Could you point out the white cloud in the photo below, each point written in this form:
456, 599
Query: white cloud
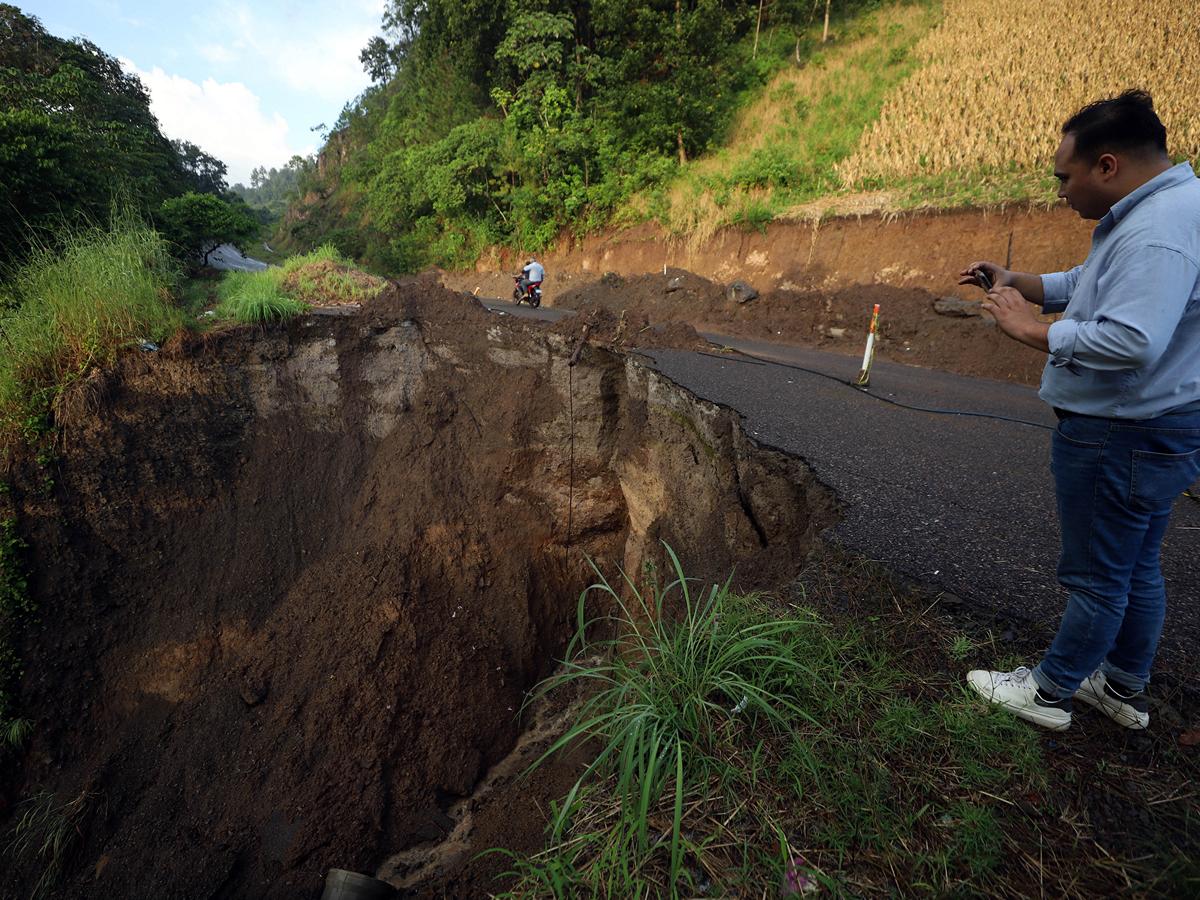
310, 54
225, 120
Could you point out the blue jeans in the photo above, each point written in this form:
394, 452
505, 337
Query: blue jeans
1116, 481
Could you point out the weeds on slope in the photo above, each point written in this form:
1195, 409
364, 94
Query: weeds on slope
748, 747
320, 278
73, 307
43, 835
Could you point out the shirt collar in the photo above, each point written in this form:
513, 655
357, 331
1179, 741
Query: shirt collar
1175, 175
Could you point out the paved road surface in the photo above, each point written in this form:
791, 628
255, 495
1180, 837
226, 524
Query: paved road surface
962, 503
229, 257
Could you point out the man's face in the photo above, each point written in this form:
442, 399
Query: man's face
1080, 183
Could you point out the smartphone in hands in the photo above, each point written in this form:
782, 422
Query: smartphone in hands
983, 278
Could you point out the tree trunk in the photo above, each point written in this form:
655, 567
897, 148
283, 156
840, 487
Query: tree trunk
757, 28
682, 151
825, 33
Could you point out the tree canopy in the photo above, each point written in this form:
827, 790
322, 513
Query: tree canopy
510, 121
76, 132
200, 223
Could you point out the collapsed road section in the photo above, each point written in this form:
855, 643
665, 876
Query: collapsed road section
295, 583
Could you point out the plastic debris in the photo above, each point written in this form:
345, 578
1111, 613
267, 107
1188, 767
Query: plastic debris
741, 705
796, 882
148, 346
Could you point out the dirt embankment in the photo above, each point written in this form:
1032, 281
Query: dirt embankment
817, 282
294, 585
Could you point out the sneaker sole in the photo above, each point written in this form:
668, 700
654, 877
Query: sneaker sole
1121, 713
1047, 720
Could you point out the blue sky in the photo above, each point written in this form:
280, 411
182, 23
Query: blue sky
246, 81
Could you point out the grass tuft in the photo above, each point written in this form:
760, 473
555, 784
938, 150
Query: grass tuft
743, 747
320, 278
72, 307
256, 297
43, 835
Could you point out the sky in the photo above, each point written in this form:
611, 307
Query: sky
244, 81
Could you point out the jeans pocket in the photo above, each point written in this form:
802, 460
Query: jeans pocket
1083, 432
1159, 478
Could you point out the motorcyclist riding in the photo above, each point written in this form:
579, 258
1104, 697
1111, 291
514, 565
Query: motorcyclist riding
532, 275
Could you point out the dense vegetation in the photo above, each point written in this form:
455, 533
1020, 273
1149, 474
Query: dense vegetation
508, 122
76, 134
272, 190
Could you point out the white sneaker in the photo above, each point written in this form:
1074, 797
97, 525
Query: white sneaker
1020, 694
1127, 708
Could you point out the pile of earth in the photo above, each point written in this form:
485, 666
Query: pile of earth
628, 330
295, 582
915, 327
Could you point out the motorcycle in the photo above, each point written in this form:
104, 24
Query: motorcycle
531, 294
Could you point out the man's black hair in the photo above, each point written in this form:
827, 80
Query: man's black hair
1126, 123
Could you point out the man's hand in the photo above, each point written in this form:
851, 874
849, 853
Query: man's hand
1017, 318
999, 275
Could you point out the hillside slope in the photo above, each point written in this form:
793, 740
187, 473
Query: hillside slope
557, 126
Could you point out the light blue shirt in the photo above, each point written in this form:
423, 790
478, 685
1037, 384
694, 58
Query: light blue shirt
1128, 345
534, 271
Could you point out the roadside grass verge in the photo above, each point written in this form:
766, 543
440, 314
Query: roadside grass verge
748, 747
320, 278
74, 307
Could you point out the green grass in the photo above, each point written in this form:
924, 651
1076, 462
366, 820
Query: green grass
256, 297
77, 305
740, 744
321, 277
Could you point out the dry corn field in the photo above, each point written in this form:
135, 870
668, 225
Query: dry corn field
999, 77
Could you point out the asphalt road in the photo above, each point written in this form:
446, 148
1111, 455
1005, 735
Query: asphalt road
230, 258
961, 503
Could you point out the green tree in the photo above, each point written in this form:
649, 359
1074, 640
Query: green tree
76, 132
197, 224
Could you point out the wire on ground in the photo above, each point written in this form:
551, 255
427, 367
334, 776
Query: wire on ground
759, 360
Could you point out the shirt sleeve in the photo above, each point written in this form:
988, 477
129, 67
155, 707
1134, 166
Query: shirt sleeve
1057, 288
1141, 299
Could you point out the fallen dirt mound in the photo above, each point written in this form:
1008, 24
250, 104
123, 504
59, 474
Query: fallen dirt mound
915, 327
628, 330
294, 584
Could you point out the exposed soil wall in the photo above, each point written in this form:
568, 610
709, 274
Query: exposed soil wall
918, 250
817, 281
294, 583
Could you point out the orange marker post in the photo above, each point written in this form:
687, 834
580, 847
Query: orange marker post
864, 376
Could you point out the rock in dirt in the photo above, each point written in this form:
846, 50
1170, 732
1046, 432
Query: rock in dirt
674, 284
740, 292
953, 306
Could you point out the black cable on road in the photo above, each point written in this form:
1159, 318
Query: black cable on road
752, 359
760, 361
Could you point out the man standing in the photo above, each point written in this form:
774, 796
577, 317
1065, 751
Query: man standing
1123, 378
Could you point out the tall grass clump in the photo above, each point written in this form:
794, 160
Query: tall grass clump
256, 297
322, 277
73, 306
740, 747
43, 834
